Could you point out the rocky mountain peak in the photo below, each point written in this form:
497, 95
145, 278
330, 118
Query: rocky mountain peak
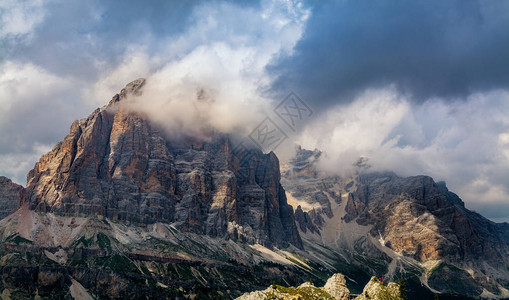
336, 287
377, 290
132, 88
303, 164
115, 164
400, 222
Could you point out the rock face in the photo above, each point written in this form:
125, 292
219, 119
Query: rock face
164, 214
11, 196
315, 194
441, 225
396, 224
116, 164
376, 290
336, 287
304, 291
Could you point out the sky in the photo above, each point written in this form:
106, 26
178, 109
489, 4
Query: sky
416, 87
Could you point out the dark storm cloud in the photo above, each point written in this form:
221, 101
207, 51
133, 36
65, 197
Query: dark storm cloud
445, 49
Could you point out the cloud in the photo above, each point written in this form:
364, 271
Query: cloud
36, 108
359, 129
14, 165
426, 49
18, 18
136, 63
464, 143
419, 87
80, 55
217, 85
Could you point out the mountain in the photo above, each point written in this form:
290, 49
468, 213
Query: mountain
118, 203
115, 164
11, 195
119, 209
399, 227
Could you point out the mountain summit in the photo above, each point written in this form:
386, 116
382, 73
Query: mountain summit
119, 209
408, 227
116, 164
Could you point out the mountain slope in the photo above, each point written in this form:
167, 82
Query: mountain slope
118, 209
116, 164
11, 195
399, 227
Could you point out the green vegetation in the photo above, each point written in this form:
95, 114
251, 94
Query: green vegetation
117, 262
376, 265
77, 261
103, 241
304, 293
83, 241
494, 289
15, 238
402, 289
144, 269
442, 265
164, 246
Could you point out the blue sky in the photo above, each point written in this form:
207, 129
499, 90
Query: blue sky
418, 87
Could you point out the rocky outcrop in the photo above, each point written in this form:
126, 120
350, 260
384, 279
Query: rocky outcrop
304, 221
11, 196
304, 291
304, 182
336, 287
441, 226
376, 290
117, 164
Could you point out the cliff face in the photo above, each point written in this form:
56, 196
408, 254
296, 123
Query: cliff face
11, 196
122, 192
397, 224
116, 164
441, 225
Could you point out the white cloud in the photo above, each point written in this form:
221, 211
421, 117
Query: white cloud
36, 108
360, 129
136, 64
224, 52
19, 18
15, 165
464, 143
223, 57
24, 84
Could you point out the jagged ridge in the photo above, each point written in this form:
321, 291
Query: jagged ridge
117, 164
